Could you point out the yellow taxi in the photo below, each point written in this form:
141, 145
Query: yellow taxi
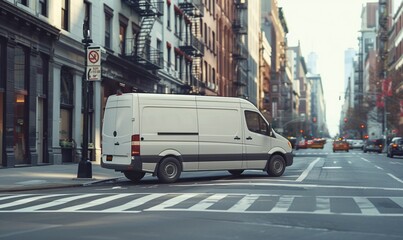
340, 145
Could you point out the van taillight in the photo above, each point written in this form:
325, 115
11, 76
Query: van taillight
136, 145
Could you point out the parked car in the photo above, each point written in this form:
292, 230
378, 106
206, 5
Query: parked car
374, 145
340, 145
395, 147
357, 144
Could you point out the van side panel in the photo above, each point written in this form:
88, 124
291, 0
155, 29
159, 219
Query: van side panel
117, 129
220, 135
168, 129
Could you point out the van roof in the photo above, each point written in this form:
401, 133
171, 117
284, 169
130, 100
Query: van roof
189, 97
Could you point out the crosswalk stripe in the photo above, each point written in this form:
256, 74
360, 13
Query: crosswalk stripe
56, 202
26, 200
172, 202
366, 206
14, 196
283, 204
94, 203
322, 205
134, 203
244, 203
398, 201
206, 203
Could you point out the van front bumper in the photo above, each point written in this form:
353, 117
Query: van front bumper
289, 158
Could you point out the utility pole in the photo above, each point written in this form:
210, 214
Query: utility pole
84, 166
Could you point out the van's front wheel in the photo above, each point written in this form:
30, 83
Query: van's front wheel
276, 166
134, 176
169, 170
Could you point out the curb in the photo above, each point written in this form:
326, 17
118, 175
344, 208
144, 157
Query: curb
21, 188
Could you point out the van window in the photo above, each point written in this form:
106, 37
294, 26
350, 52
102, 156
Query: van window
256, 123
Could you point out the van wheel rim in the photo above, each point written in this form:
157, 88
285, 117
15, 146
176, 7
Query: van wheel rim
171, 170
277, 166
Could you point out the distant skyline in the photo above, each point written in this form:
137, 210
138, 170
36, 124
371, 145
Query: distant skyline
327, 28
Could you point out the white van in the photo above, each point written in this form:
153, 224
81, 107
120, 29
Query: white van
166, 134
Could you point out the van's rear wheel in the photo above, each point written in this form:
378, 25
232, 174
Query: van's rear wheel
236, 173
276, 166
169, 170
134, 176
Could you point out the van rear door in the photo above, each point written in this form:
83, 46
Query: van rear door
118, 129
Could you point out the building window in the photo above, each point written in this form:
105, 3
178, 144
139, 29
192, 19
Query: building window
160, 51
213, 42
275, 88
66, 106
43, 7
23, 2
169, 56
65, 15
205, 34
66, 87
42, 76
169, 16
20, 68
122, 38
108, 26
205, 71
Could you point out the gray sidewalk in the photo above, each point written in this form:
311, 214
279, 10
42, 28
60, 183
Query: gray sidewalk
51, 176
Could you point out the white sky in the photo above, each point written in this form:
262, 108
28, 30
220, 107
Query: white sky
327, 27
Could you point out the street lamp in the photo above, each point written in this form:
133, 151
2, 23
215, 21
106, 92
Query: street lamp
84, 166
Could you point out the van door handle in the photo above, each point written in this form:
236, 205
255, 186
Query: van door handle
237, 138
117, 143
248, 138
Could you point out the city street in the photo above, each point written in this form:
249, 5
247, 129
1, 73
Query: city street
323, 195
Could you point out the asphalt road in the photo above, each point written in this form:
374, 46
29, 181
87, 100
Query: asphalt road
324, 195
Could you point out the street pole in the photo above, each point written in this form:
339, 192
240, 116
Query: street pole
84, 166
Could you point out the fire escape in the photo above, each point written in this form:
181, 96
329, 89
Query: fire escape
192, 46
383, 38
138, 49
240, 51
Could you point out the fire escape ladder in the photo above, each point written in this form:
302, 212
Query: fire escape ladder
141, 51
240, 52
191, 43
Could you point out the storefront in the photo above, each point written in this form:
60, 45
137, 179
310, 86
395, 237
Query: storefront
26, 45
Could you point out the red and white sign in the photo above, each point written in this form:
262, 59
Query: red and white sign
93, 56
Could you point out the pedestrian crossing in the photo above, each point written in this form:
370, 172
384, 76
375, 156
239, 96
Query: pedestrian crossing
201, 202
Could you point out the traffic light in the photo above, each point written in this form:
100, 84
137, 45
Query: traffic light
314, 119
345, 120
362, 125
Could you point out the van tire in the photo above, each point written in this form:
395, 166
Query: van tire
134, 176
276, 166
169, 170
236, 173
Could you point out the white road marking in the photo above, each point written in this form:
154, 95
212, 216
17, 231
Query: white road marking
56, 202
331, 167
378, 167
365, 160
349, 162
243, 204
396, 178
322, 205
94, 203
306, 172
366, 206
208, 202
172, 202
26, 200
283, 204
134, 203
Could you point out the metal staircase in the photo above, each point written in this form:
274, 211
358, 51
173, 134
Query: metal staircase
141, 52
192, 45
